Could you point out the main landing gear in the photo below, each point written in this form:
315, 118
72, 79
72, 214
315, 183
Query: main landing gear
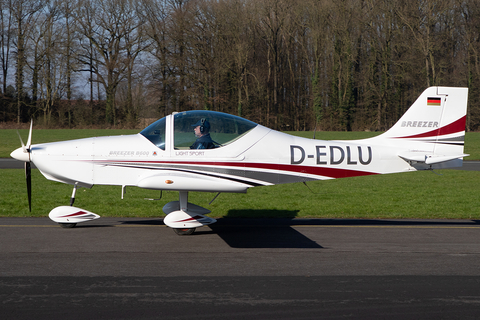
184, 217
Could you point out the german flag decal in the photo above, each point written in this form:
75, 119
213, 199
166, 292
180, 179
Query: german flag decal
434, 101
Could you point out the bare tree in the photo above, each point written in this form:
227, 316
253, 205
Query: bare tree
41, 40
234, 32
154, 13
273, 16
469, 14
422, 18
6, 35
335, 65
23, 13
106, 25
67, 9
315, 44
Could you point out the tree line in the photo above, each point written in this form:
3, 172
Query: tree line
287, 64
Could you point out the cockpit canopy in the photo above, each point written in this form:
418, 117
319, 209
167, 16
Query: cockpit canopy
223, 128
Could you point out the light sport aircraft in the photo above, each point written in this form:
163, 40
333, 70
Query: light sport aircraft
430, 135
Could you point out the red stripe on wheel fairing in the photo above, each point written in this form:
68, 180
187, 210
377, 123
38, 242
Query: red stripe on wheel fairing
79, 213
191, 219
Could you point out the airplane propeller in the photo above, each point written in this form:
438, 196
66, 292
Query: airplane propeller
23, 154
28, 178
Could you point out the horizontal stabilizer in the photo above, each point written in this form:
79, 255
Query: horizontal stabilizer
429, 158
439, 159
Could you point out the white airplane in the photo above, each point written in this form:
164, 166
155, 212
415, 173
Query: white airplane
231, 154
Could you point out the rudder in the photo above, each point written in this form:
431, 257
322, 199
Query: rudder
434, 126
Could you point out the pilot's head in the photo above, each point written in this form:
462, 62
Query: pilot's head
201, 127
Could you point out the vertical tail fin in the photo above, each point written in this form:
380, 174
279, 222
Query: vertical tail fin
433, 129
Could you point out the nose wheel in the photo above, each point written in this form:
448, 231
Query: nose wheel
67, 225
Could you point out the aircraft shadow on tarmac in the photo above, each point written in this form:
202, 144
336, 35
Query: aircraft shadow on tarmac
268, 232
244, 236
272, 232
280, 232
253, 232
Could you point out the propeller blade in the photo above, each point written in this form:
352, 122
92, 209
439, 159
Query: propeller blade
25, 156
29, 141
28, 177
21, 141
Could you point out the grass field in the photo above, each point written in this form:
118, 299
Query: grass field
425, 195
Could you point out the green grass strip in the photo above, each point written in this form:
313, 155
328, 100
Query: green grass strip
422, 195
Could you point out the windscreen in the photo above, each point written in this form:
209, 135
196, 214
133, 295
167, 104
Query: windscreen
201, 129
156, 133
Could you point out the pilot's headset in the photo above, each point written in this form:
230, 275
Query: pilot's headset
204, 125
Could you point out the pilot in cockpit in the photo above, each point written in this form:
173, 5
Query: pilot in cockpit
202, 132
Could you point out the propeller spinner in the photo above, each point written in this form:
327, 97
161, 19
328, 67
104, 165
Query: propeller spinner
23, 154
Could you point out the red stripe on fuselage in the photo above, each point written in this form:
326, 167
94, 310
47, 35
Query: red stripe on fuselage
454, 127
318, 171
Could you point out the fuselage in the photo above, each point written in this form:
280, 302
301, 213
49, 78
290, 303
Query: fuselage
244, 154
261, 157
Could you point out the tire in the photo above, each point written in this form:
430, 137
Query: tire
67, 225
184, 231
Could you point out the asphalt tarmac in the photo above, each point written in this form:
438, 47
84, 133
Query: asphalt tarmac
114, 268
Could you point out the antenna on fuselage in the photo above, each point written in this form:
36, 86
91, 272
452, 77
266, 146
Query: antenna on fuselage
159, 198
214, 198
306, 185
